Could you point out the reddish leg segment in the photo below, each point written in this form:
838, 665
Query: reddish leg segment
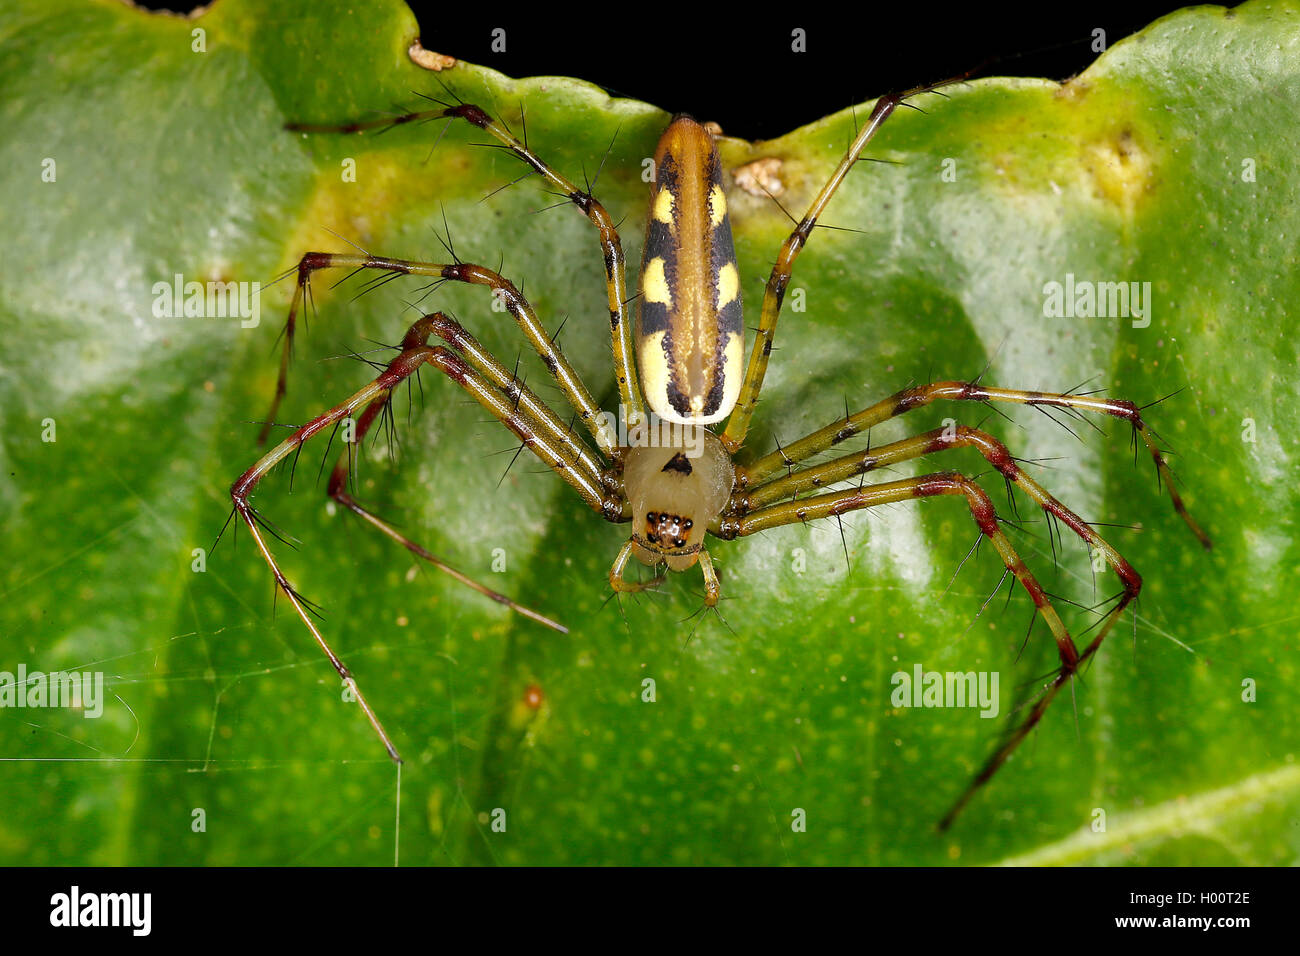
338, 490
610, 243
368, 401
918, 396
738, 424
761, 485
503, 289
834, 504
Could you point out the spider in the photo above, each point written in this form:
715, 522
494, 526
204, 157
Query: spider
681, 371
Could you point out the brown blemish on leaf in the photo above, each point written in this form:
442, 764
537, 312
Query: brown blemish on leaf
1073, 89
437, 62
1120, 169
762, 177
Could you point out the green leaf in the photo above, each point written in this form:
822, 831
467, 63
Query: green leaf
1170, 161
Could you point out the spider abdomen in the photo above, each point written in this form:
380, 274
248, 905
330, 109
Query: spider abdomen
690, 331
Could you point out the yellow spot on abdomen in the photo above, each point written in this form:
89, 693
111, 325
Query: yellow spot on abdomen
654, 284
654, 374
717, 206
728, 284
663, 207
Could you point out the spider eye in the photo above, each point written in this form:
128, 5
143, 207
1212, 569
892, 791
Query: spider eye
651, 517
679, 542
689, 524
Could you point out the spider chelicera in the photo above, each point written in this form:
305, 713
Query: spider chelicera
669, 473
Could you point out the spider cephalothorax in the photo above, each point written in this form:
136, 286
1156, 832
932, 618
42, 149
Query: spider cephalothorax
688, 345
674, 496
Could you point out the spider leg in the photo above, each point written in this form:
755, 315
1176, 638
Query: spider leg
712, 587
525, 399
241, 490
503, 290
550, 451
415, 354
981, 508
779, 280
937, 440
918, 396
610, 243
337, 490
621, 584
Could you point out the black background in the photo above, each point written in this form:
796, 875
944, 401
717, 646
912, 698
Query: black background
734, 65
902, 910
